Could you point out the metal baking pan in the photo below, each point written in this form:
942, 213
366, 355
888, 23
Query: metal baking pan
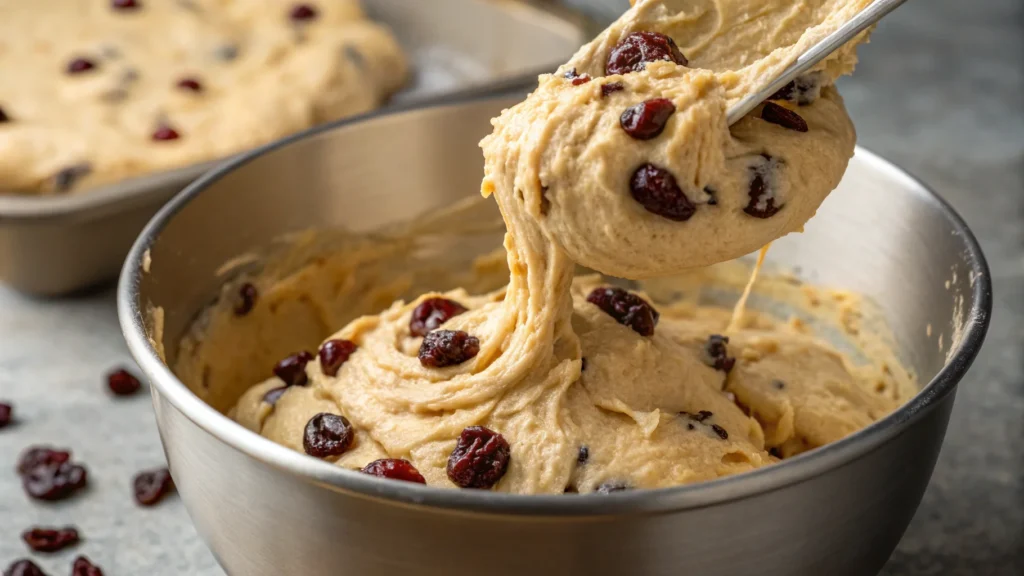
54, 245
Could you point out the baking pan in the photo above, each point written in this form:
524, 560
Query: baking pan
54, 245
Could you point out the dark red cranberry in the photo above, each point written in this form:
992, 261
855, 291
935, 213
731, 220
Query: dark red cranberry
123, 383
783, 116
480, 458
327, 435
292, 370
394, 469
4, 117
79, 65
577, 79
334, 354
54, 481
303, 12
6, 414
190, 84
720, 431
609, 487
247, 295
432, 313
762, 195
24, 567
583, 455
125, 4
443, 348
50, 539
151, 486
717, 353
66, 179
647, 119
634, 51
626, 308
83, 567
274, 394
164, 133
611, 88
657, 191
41, 456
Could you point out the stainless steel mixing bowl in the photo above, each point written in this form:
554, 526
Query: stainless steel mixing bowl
266, 510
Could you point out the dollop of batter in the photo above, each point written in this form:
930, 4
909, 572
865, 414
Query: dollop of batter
622, 162
95, 91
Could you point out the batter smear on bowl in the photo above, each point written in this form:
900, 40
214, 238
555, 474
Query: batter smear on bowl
634, 174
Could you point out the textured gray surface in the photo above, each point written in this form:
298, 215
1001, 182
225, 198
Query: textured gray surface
939, 91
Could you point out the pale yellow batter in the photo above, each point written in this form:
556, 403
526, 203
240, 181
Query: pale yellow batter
585, 401
92, 93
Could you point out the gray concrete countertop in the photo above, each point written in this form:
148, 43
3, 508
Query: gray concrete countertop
939, 91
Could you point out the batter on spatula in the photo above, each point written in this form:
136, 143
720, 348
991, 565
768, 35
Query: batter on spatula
623, 162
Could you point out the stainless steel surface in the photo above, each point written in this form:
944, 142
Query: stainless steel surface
57, 244
867, 17
264, 509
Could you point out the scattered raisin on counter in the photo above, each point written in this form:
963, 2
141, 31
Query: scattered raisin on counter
50, 539
6, 414
122, 383
151, 486
54, 481
84, 567
24, 567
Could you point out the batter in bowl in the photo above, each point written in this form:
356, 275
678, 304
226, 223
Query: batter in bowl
621, 162
100, 90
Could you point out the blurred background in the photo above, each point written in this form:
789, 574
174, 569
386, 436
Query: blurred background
939, 91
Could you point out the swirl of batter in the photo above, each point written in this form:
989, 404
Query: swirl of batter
622, 162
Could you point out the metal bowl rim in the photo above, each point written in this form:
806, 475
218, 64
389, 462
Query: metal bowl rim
799, 469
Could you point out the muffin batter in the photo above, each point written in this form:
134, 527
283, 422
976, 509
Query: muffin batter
621, 162
95, 91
